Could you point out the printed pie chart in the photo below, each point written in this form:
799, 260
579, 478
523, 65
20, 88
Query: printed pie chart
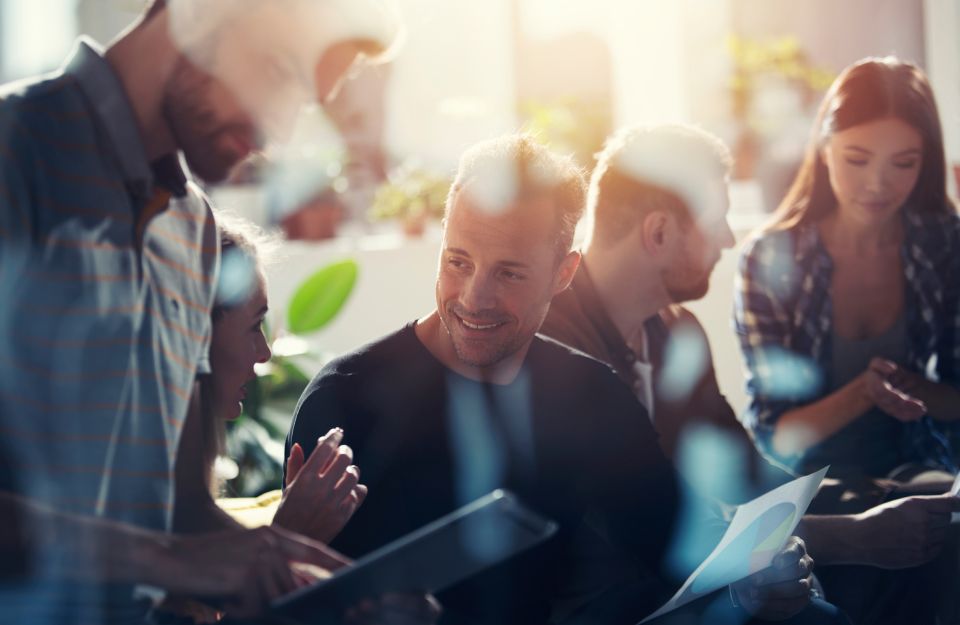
752, 549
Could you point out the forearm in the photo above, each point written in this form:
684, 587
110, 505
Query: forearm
195, 510
803, 427
91, 548
942, 400
201, 514
833, 539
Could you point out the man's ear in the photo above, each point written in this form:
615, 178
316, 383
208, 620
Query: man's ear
657, 230
566, 271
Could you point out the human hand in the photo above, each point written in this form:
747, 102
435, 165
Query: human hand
896, 400
782, 589
907, 532
322, 493
239, 571
395, 609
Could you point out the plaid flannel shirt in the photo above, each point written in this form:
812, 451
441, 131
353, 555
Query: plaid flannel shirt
783, 318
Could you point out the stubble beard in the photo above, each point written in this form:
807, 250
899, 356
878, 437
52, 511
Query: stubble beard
192, 123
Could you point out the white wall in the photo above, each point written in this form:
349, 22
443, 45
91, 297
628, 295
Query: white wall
942, 26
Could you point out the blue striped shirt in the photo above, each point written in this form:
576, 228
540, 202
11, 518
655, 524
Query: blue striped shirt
107, 266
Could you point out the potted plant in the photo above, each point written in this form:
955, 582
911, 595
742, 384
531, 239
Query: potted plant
413, 196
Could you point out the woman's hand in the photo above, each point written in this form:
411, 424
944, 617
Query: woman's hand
889, 386
323, 492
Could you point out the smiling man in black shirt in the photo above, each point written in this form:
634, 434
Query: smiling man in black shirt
469, 399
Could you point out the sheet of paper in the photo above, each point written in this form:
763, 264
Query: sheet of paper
758, 531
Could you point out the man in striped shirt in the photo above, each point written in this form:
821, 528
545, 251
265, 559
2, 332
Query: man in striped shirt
108, 263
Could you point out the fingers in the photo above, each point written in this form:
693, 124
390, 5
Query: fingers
785, 591
395, 609
409, 608
294, 463
349, 481
301, 549
883, 366
786, 570
898, 404
792, 551
936, 509
325, 450
361, 494
337, 469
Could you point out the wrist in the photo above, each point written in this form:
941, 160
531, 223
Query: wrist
834, 539
865, 400
155, 555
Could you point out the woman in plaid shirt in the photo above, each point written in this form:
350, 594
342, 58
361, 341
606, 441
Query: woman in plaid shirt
846, 304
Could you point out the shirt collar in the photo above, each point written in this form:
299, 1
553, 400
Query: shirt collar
600, 319
106, 95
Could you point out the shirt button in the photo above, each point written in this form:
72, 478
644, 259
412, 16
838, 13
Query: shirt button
630, 357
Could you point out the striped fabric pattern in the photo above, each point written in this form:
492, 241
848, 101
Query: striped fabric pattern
106, 282
782, 305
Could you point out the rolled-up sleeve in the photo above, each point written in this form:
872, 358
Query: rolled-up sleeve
776, 378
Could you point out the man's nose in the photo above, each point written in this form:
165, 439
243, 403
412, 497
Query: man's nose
479, 293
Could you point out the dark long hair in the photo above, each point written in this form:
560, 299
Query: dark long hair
869, 90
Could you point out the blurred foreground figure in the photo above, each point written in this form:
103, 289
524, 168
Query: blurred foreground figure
108, 261
657, 211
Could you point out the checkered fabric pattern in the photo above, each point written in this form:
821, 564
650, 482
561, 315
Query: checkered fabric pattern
783, 314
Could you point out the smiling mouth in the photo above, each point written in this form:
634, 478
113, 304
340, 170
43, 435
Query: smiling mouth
478, 327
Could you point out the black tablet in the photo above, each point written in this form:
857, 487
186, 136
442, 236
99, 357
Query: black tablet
428, 560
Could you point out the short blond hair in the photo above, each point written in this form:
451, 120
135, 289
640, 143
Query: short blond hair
517, 167
645, 168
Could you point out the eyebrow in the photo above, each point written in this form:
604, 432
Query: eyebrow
503, 263
857, 148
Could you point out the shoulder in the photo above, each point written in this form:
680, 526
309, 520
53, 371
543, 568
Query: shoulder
928, 227
570, 370
935, 236
388, 353
51, 101
545, 349
37, 105
770, 246
367, 376
566, 321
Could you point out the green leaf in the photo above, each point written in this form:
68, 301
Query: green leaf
321, 296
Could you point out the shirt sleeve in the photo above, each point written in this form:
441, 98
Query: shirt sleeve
320, 409
211, 238
948, 348
16, 205
762, 324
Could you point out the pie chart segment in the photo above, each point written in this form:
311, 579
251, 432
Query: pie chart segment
753, 547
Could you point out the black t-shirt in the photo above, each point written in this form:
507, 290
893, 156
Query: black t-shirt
564, 436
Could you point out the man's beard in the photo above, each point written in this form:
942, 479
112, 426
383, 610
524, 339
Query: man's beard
680, 293
194, 126
491, 354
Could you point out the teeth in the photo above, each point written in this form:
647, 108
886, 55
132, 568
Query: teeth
474, 326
